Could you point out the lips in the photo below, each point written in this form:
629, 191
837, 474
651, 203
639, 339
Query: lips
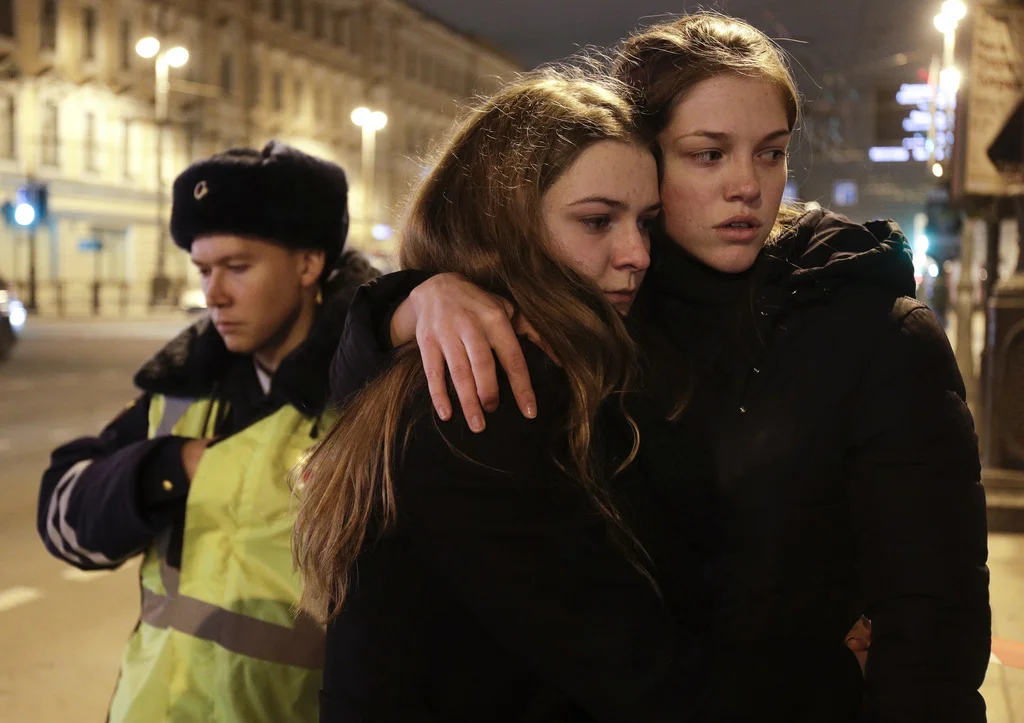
739, 229
226, 326
621, 298
740, 222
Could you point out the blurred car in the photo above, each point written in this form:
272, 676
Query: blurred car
193, 301
12, 320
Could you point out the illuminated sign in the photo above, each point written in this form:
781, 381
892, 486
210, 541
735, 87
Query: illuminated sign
888, 154
929, 122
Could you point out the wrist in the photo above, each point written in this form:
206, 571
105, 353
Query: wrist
403, 324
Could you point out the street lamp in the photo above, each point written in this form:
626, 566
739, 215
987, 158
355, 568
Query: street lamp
173, 57
948, 83
370, 121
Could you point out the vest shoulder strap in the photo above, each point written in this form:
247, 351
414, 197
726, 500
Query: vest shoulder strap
174, 410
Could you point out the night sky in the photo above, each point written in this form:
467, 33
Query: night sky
823, 35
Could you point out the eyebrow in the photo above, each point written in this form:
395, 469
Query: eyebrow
614, 203
226, 259
716, 136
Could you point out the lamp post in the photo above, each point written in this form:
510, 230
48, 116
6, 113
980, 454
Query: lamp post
370, 121
948, 83
173, 57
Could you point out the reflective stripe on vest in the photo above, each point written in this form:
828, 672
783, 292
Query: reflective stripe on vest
219, 638
301, 646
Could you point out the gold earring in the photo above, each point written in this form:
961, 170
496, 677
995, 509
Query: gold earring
319, 296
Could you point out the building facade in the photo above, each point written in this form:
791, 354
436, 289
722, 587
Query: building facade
78, 112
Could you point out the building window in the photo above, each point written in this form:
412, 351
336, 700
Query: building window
339, 29
48, 25
319, 24
297, 91
277, 10
88, 33
254, 85
227, 75
410, 63
318, 104
298, 14
90, 143
127, 49
7, 18
426, 68
50, 134
277, 90
8, 127
126, 149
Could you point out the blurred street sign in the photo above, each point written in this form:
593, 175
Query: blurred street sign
995, 90
90, 245
844, 193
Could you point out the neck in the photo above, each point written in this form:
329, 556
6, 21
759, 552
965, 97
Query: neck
288, 339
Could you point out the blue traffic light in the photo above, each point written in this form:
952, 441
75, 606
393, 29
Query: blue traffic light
24, 214
29, 208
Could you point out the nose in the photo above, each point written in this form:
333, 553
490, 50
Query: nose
634, 251
743, 184
213, 287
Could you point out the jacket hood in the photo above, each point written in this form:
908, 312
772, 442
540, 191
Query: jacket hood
192, 364
824, 250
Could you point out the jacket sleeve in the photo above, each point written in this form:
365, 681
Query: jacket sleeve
365, 346
524, 548
919, 511
103, 499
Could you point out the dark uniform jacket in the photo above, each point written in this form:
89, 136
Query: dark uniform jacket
105, 499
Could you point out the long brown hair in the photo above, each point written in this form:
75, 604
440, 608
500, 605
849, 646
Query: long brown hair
479, 213
663, 63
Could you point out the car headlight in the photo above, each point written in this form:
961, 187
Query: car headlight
17, 314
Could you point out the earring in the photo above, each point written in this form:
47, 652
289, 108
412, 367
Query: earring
319, 296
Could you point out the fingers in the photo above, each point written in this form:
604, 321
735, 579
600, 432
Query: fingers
510, 356
461, 370
434, 369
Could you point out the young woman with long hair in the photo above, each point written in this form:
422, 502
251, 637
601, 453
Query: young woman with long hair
827, 417
509, 576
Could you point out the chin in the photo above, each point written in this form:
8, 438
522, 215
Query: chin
733, 259
237, 345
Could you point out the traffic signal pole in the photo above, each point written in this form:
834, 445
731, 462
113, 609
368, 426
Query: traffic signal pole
32, 305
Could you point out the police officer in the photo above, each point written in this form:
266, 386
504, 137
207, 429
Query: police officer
194, 475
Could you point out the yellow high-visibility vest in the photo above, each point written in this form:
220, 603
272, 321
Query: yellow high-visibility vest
219, 640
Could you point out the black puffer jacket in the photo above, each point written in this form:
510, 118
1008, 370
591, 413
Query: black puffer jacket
826, 467
845, 472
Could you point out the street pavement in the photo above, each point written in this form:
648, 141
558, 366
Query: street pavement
62, 631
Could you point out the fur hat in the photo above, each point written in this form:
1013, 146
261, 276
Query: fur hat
281, 195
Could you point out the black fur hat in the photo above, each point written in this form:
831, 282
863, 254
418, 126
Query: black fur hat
280, 195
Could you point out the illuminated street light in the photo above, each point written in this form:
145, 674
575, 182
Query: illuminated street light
364, 117
937, 170
370, 121
177, 56
946, 24
173, 57
954, 9
148, 47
